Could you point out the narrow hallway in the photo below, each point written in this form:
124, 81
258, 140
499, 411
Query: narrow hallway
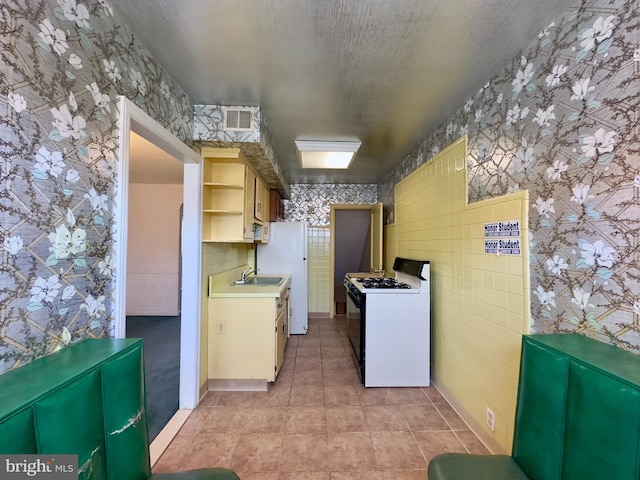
316, 422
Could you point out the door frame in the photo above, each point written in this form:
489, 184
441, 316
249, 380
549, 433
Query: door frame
133, 118
373, 208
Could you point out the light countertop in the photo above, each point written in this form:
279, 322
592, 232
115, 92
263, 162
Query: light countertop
225, 289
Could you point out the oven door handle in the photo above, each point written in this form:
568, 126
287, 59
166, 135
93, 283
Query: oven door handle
357, 302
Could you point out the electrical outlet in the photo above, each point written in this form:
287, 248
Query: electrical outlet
220, 327
491, 419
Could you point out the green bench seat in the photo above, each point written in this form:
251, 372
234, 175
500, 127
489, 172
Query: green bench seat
577, 417
88, 400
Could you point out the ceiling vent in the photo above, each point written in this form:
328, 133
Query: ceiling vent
237, 119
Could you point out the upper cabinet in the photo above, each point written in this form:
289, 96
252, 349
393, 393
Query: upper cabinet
250, 198
276, 206
260, 203
234, 206
262, 212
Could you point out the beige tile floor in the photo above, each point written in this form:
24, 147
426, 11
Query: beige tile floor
316, 422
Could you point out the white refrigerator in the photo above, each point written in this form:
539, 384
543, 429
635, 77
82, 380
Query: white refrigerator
286, 253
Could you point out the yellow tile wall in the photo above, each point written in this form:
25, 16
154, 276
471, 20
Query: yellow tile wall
216, 258
318, 250
480, 302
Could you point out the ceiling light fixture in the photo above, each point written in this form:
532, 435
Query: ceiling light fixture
321, 154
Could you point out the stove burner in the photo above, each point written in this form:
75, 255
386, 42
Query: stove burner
380, 282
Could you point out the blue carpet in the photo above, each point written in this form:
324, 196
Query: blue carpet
161, 340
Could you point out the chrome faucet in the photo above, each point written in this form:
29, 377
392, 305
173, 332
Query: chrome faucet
247, 272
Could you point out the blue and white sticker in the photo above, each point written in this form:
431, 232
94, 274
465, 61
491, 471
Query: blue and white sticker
503, 246
507, 228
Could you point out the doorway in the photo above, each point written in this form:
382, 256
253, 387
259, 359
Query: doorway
133, 119
352, 250
356, 246
153, 266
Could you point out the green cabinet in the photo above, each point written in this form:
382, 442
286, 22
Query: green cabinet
87, 399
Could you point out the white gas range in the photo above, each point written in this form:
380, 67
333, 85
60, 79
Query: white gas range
388, 324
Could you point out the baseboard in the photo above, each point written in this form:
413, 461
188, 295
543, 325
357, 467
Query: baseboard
167, 434
241, 385
204, 388
318, 315
488, 441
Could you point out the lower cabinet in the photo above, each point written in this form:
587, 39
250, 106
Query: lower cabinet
282, 328
281, 340
247, 337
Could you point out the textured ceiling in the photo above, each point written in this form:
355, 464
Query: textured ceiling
387, 72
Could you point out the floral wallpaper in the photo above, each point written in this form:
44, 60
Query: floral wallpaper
561, 122
64, 63
257, 145
311, 203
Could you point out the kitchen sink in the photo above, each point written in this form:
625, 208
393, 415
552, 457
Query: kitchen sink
259, 281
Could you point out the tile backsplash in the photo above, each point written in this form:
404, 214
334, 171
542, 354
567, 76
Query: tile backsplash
319, 269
